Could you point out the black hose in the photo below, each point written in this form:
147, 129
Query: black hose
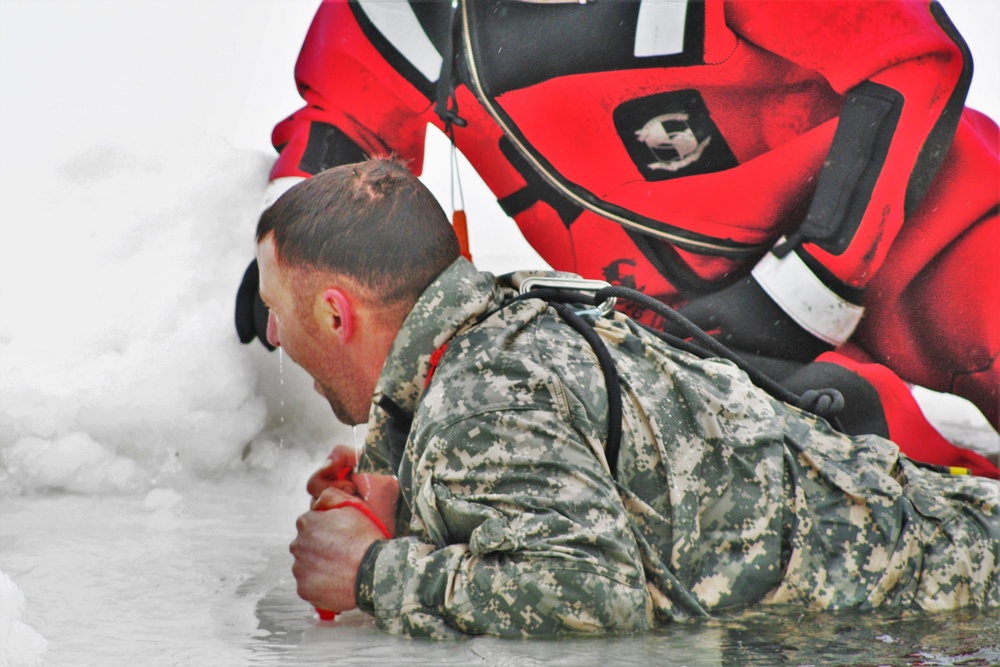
825, 402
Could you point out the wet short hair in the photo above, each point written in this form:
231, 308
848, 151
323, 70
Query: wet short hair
373, 222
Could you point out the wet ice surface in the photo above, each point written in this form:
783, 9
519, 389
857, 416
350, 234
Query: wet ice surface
200, 575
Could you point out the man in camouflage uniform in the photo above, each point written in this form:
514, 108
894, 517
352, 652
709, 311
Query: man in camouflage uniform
493, 415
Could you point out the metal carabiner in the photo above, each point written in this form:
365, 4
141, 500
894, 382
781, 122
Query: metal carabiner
572, 285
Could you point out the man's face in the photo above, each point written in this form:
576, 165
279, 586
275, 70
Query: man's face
299, 330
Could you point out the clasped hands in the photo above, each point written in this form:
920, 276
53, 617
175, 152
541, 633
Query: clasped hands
335, 534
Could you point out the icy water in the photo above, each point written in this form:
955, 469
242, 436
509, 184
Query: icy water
200, 575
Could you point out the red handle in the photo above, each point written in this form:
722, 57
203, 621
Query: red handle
326, 614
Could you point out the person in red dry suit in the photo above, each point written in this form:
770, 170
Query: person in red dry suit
801, 178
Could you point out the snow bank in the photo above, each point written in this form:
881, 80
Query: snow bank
119, 362
20, 645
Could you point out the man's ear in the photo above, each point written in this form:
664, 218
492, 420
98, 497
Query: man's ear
336, 313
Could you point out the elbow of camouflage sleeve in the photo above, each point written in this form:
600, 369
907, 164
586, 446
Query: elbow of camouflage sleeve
418, 590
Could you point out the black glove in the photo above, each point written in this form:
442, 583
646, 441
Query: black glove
251, 313
860, 409
744, 318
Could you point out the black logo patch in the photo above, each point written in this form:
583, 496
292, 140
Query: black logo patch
622, 272
670, 135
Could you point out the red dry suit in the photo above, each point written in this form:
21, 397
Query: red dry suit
670, 146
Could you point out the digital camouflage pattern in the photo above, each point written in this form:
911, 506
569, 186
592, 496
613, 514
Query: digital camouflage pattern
512, 525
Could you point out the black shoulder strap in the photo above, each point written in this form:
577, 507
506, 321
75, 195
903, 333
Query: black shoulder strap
611, 380
559, 300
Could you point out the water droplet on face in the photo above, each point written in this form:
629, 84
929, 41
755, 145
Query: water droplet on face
357, 457
357, 448
281, 382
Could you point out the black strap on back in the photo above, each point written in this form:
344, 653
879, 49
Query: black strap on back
611, 380
826, 403
704, 345
559, 300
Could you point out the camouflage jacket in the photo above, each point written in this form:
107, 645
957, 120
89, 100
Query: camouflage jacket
511, 523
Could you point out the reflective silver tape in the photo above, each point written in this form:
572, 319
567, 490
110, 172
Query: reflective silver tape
659, 30
814, 306
398, 24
